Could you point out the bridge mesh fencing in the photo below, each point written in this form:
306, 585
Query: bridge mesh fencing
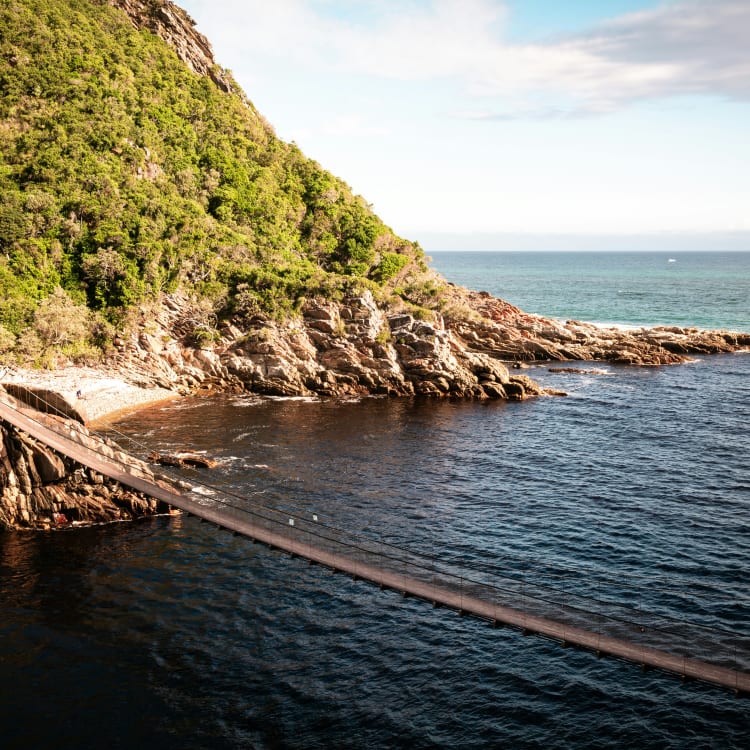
487, 594
381, 563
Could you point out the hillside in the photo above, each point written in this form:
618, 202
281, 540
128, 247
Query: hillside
152, 222
127, 171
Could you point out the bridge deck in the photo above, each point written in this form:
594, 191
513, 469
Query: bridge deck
299, 537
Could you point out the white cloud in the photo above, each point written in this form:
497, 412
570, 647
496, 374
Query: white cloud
689, 47
692, 47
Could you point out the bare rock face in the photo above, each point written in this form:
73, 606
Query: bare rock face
41, 489
356, 347
348, 348
177, 28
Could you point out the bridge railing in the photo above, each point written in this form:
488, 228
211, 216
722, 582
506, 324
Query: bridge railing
379, 561
485, 593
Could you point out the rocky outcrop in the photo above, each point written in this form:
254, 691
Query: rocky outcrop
506, 332
349, 348
358, 347
41, 489
176, 28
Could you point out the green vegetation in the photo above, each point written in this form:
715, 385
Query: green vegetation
124, 174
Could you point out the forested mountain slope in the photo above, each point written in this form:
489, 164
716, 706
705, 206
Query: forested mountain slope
126, 171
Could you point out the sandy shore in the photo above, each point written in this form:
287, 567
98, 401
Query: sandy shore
85, 392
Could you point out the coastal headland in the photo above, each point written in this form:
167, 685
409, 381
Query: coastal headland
166, 233
476, 348
332, 350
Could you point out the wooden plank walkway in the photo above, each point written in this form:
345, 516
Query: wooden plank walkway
461, 595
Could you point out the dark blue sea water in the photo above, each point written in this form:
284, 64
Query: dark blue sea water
170, 633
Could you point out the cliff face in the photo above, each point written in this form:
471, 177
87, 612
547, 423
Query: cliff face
357, 347
351, 347
176, 28
40, 489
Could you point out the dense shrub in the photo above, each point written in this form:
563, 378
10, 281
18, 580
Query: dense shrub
124, 174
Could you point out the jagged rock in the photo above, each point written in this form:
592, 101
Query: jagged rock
183, 459
356, 347
177, 28
520, 386
493, 390
397, 322
41, 489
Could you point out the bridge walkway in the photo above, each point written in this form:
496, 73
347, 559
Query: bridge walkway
672, 647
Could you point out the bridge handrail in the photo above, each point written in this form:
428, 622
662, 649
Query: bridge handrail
476, 597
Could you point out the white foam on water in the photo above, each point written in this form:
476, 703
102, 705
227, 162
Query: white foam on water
303, 399
205, 491
245, 402
242, 436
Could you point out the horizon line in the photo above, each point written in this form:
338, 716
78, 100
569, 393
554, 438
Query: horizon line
668, 241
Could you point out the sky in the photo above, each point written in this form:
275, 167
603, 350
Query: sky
512, 124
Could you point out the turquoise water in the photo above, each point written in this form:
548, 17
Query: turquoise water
708, 290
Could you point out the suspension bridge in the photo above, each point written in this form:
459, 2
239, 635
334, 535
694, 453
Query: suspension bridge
687, 650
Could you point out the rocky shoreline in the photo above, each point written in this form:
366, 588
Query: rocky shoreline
41, 489
421, 337
350, 348
474, 348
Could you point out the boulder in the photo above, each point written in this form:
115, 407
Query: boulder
49, 465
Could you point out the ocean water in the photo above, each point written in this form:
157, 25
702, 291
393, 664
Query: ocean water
170, 633
708, 290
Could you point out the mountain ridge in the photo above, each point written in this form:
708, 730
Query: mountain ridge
174, 25
154, 223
